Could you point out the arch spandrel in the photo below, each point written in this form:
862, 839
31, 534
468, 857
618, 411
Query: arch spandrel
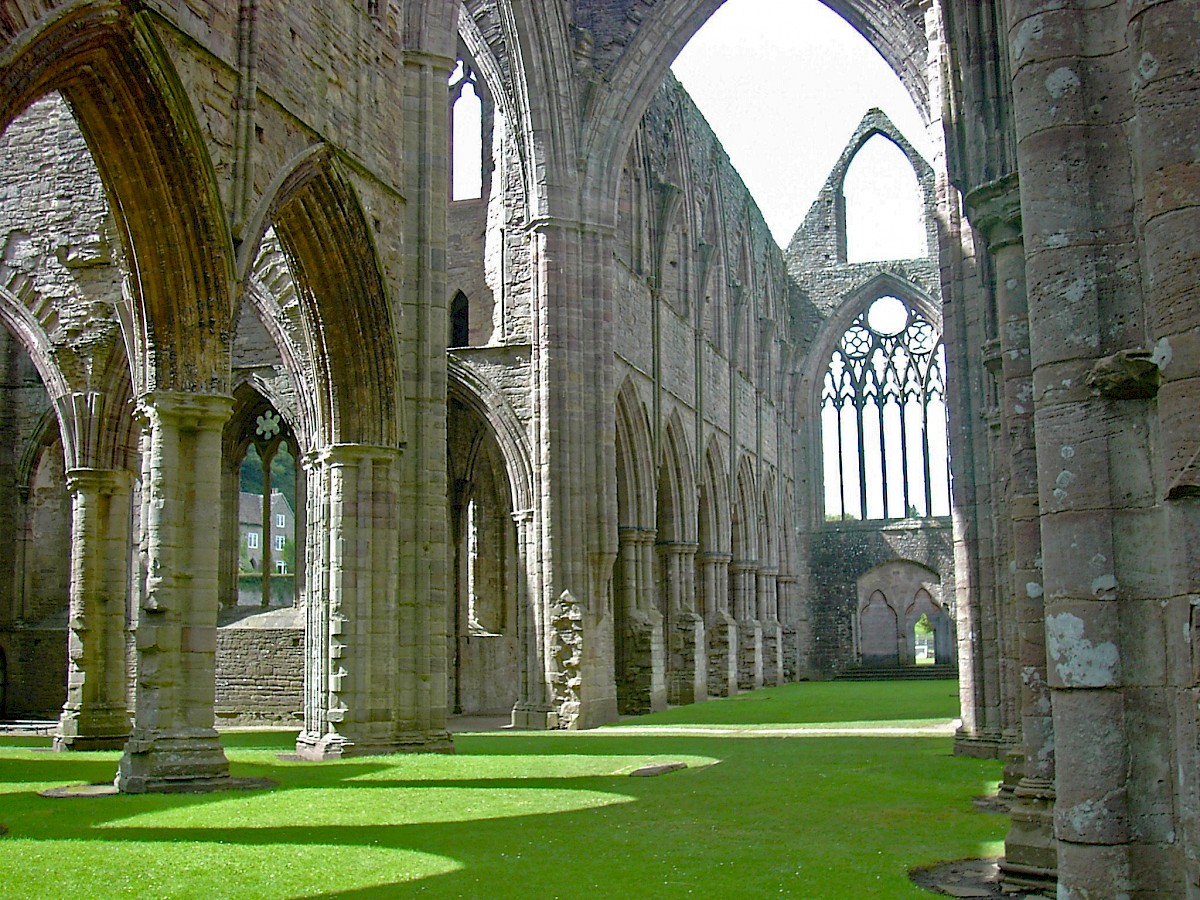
142, 134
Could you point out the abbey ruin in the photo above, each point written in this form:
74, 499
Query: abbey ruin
289, 436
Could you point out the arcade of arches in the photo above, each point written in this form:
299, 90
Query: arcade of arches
289, 436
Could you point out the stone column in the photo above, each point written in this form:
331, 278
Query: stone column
1030, 849
1164, 691
686, 659
174, 745
794, 627
533, 708
94, 716
1071, 72
641, 678
351, 676
574, 448
772, 633
742, 581
720, 628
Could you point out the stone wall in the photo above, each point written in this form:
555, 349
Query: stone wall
843, 552
36, 660
260, 669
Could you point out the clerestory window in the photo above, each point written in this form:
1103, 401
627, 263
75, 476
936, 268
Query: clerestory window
466, 134
883, 417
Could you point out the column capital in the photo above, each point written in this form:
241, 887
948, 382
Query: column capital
994, 210
186, 409
714, 557
337, 455
549, 222
99, 481
679, 548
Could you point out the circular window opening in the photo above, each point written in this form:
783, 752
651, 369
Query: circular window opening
888, 316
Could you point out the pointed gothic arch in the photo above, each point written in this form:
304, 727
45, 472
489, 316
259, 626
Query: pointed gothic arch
142, 134
348, 321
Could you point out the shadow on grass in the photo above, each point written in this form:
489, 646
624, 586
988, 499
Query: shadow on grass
777, 815
516, 815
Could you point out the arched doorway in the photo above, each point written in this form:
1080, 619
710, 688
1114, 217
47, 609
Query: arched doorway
901, 619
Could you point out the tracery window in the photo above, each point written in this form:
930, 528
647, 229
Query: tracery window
883, 417
268, 485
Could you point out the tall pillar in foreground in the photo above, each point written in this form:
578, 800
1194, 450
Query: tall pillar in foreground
174, 745
1030, 850
94, 716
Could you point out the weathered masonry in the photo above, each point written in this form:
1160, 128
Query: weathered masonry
299, 426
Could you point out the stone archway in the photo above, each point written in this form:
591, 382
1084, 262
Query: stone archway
892, 598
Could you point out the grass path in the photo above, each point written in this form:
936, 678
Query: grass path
766, 808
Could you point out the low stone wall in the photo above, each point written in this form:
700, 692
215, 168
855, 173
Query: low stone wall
260, 668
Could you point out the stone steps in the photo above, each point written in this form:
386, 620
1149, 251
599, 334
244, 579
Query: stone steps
896, 673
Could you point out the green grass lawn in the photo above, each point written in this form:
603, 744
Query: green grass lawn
531, 815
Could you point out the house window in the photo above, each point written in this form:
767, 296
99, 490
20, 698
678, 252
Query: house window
252, 540
883, 415
279, 520
281, 567
279, 539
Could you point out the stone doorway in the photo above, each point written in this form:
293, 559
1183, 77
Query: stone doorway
892, 599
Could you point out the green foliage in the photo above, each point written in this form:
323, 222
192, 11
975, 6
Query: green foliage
528, 814
921, 627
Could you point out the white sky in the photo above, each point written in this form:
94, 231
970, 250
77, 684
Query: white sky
784, 83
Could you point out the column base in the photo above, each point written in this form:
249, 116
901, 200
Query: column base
531, 717
980, 746
168, 763
722, 658
99, 729
1030, 849
332, 745
772, 652
687, 673
318, 748
641, 687
750, 655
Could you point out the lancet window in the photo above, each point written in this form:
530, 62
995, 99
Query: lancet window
466, 133
883, 415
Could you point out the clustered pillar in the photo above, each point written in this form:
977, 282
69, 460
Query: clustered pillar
743, 587
1029, 848
174, 743
94, 716
351, 643
686, 659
